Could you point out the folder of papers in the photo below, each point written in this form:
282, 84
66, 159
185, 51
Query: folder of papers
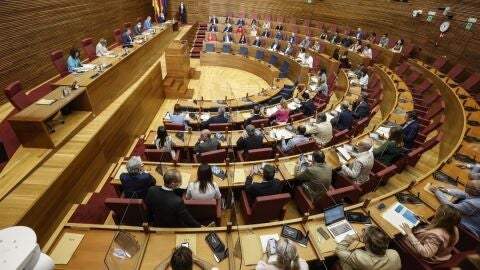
383, 131
43, 101
398, 214
343, 153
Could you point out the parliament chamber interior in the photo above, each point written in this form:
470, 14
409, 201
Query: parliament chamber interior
300, 134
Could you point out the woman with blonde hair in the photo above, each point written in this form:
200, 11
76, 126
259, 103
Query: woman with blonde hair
391, 150
434, 242
281, 115
286, 258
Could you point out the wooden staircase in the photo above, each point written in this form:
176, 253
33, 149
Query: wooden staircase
176, 88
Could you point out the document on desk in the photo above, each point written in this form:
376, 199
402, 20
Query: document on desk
271, 110
122, 169
65, 248
44, 101
427, 189
185, 180
383, 131
398, 214
239, 175
344, 152
329, 117
205, 116
251, 248
290, 166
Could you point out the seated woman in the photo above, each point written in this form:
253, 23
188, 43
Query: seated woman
253, 32
316, 46
73, 60
286, 258
242, 40
240, 30
281, 115
398, 46
390, 150
356, 47
212, 36
301, 55
204, 188
434, 242
178, 116
372, 37
163, 141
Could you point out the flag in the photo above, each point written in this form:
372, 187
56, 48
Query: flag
156, 7
164, 7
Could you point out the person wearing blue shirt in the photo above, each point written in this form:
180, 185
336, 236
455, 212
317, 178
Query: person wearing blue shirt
299, 138
178, 116
468, 205
147, 24
73, 60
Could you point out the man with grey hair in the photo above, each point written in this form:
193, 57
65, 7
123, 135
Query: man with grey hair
249, 140
360, 107
359, 169
166, 207
136, 181
255, 116
217, 119
206, 142
344, 119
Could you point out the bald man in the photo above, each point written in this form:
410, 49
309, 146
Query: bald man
206, 142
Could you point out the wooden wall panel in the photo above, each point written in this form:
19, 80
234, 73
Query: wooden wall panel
395, 18
31, 30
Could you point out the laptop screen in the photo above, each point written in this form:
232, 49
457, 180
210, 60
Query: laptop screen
334, 214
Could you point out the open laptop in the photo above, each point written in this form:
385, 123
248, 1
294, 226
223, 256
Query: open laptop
336, 222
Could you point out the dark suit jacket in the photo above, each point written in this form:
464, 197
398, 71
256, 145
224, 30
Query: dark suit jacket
292, 39
251, 142
228, 29
161, 19
257, 43
266, 34
361, 111
409, 134
136, 184
217, 119
209, 145
308, 108
213, 28
279, 27
345, 120
127, 40
168, 210
264, 188
214, 20
249, 120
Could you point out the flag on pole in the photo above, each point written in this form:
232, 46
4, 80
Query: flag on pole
156, 7
164, 7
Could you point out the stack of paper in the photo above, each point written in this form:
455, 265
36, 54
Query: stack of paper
279, 133
293, 106
272, 110
205, 116
427, 189
344, 153
43, 101
383, 131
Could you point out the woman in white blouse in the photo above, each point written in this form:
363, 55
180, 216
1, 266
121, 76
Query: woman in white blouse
356, 47
266, 25
204, 188
367, 51
163, 141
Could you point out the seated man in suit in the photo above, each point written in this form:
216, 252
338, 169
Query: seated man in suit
217, 119
344, 119
249, 140
213, 28
335, 38
359, 35
266, 33
255, 116
227, 37
213, 20
228, 28
275, 46
165, 207
347, 42
305, 43
257, 42
161, 18
206, 143
138, 29
241, 22
324, 35
359, 169
136, 181
279, 27
288, 49
316, 178
269, 186
410, 129
322, 130
308, 107
298, 138
127, 38
278, 35
360, 107
292, 38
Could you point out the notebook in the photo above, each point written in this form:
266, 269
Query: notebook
44, 101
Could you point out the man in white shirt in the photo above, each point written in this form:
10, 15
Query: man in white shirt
321, 131
308, 60
367, 51
101, 48
359, 169
301, 56
275, 46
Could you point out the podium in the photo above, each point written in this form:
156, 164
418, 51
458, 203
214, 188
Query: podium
177, 60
